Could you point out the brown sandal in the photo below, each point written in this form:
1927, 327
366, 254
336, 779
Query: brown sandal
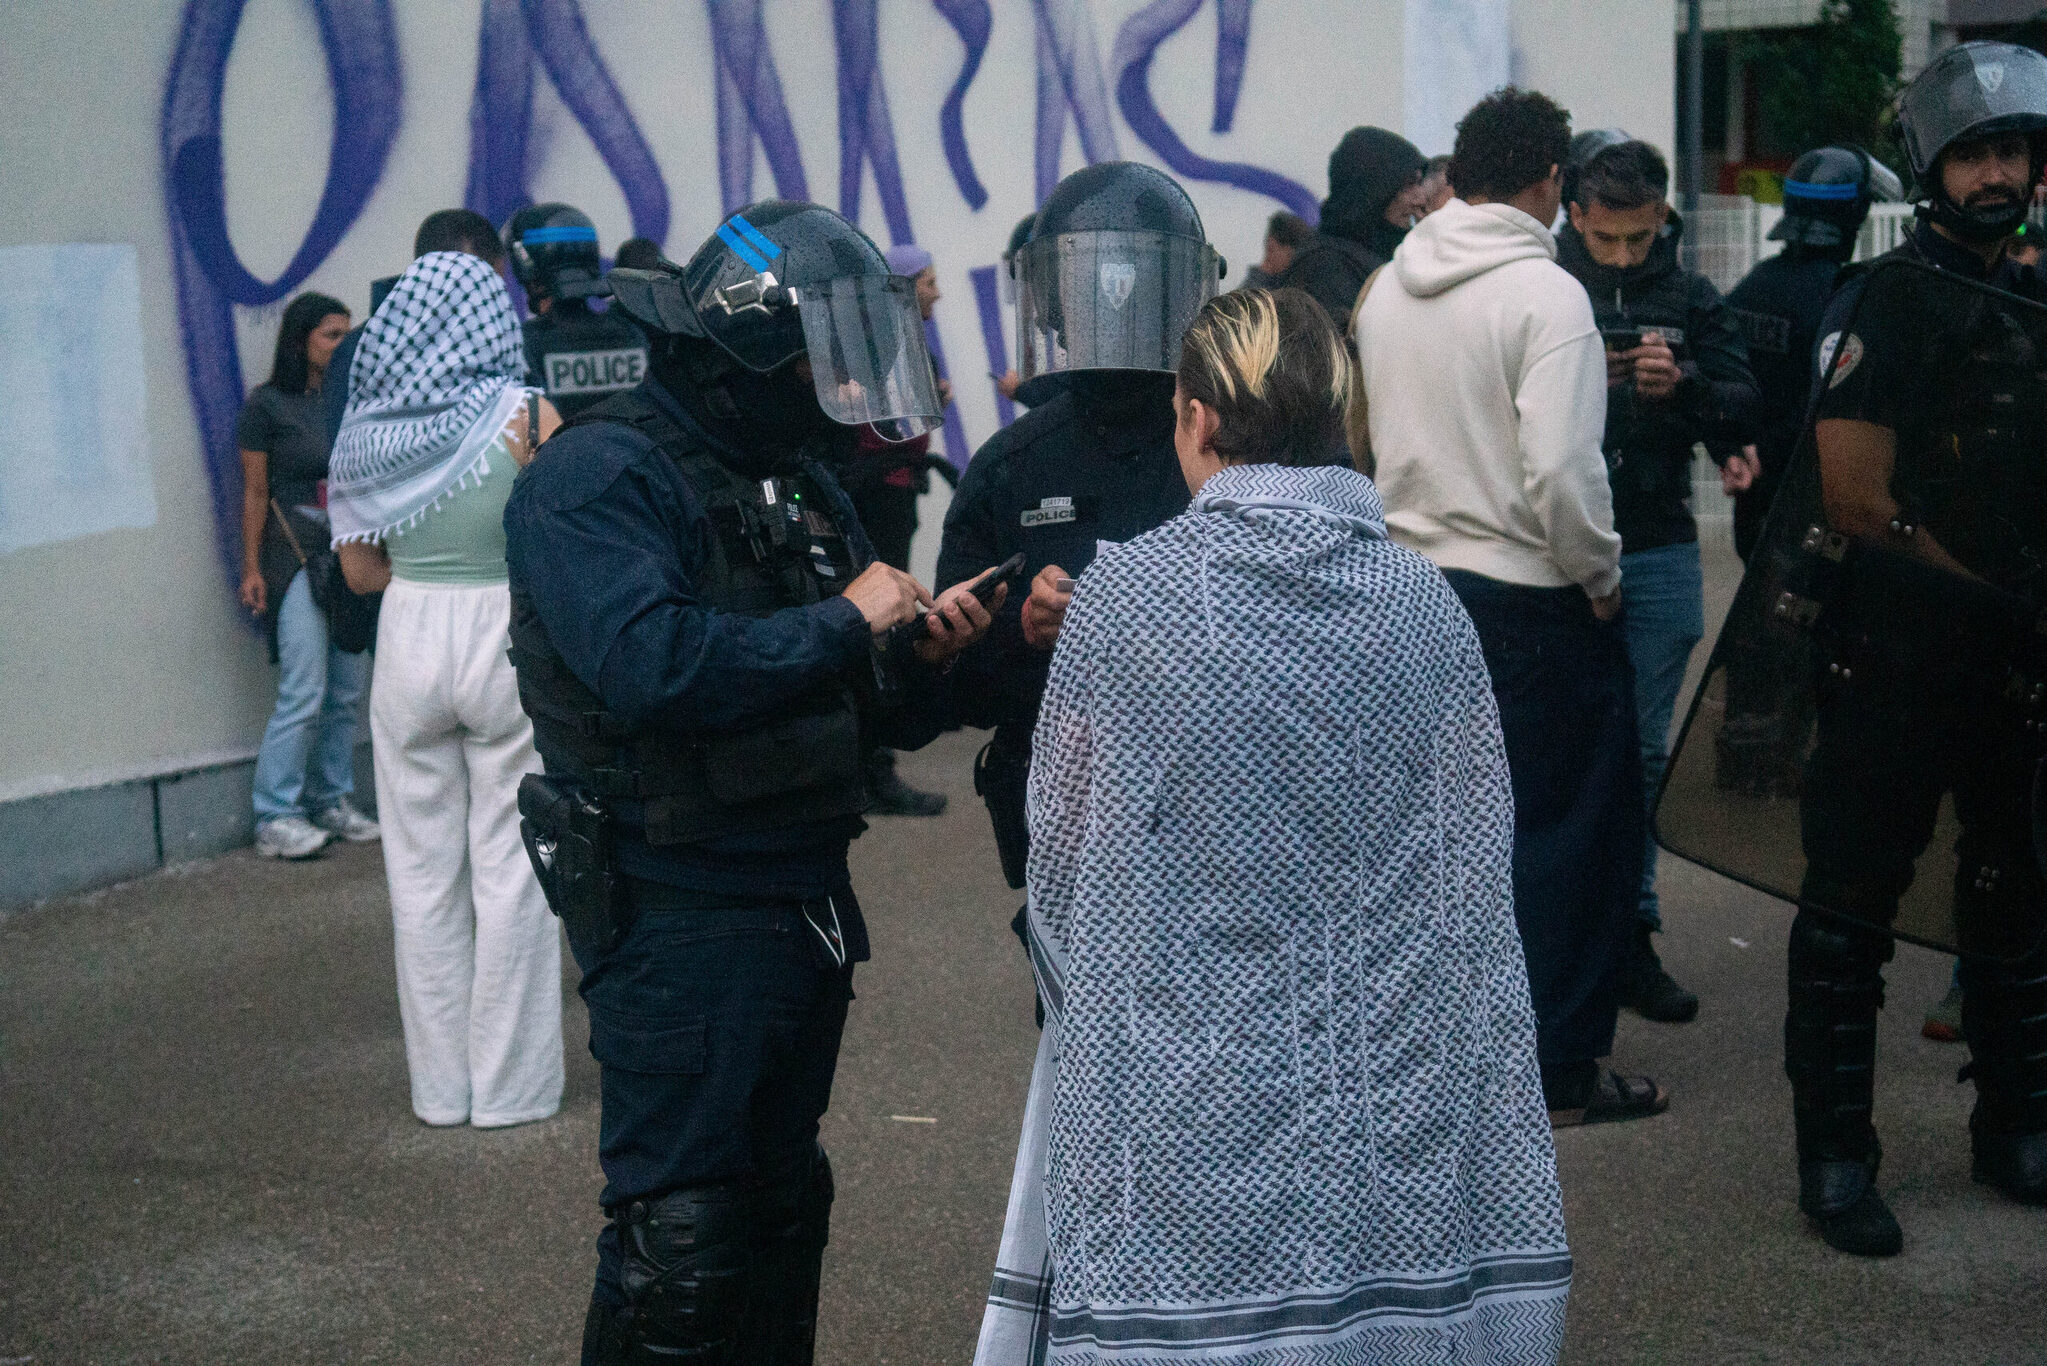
1615, 1098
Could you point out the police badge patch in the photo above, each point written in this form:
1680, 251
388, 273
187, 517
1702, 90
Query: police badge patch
1850, 348
1990, 75
1118, 278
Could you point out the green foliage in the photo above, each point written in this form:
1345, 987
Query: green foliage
1834, 82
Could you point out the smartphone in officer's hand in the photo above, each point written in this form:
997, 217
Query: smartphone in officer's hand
984, 593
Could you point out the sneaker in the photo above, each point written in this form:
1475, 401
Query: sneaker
1652, 992
343, 820
290, 837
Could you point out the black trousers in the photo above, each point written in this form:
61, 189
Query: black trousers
1566, 697
716, 1030
1870, 805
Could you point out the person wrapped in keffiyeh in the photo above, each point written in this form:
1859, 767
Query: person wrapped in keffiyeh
439, 372
1286, 1107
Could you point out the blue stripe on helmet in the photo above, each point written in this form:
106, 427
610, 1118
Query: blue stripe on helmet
739, 245
1806, 189
569, 233
762, 243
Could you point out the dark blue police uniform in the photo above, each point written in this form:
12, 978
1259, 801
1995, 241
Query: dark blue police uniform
582, 357
716, 1018
1093, 465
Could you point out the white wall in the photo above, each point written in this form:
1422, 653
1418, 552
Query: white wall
121, 652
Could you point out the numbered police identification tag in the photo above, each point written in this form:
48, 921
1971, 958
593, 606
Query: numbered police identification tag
595, 372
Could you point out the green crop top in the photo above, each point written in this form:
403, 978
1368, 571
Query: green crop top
462, 540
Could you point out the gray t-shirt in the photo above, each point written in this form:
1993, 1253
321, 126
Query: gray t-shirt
292, 430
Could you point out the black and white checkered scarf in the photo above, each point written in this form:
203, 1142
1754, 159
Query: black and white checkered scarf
439, 372
1286, 1106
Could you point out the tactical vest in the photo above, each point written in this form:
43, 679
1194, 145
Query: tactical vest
1968, 463
776, 544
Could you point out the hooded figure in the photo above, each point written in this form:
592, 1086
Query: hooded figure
1368, 170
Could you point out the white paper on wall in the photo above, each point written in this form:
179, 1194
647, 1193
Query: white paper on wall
74, 459
1456, 52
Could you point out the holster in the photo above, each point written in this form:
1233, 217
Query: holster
567, 834
1002, 780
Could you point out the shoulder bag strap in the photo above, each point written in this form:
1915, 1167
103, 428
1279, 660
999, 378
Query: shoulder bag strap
284, 525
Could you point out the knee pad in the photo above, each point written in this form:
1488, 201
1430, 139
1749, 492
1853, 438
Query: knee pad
686, 1276
1835, 971
2004, 1017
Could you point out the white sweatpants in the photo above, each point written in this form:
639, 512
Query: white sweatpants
479, 955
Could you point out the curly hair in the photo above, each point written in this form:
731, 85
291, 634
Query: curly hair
1510, 140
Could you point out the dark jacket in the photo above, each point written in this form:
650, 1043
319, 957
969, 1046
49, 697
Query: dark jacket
1778, 307
1354, 239
607, 544
1054, 484
1648, 444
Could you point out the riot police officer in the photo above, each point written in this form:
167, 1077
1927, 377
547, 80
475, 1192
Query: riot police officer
1114, 269
1927, 422
1779, 305
579, 356
706, 647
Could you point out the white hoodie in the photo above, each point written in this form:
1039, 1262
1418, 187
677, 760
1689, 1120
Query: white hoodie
1487, 383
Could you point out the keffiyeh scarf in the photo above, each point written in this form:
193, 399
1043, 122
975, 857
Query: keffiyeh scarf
439, 372
1286, 1107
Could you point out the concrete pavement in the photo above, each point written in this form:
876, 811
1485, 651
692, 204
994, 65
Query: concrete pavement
209, 1155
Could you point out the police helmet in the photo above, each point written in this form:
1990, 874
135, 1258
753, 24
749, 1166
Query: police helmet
1115, 269
1018, 235
781, 279
1972, 91
554, 252
1584, 147
1828, 194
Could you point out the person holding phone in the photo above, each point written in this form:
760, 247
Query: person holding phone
1677, 375
1091, 464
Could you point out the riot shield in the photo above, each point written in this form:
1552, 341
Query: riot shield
1868, 736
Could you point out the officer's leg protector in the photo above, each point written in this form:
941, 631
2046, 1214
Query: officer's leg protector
792, 1221
2004, 1016
685, 1279
1836, 989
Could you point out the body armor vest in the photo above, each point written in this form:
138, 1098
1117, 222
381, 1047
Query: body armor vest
776, 543
1968, 463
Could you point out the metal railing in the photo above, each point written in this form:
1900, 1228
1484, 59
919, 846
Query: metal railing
1730, 233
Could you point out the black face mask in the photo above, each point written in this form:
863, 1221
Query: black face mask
1119, 395
764, 420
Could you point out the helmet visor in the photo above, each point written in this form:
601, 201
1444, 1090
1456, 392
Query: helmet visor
1109, 300
865, 339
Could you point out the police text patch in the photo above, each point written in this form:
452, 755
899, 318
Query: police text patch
595, 372
1050, 510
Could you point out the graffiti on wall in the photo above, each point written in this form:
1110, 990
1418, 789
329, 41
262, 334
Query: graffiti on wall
520, 41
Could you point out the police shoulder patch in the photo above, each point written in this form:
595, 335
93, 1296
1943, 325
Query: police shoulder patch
1837, 367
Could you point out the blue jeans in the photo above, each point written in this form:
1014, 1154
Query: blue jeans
1663, 601
307, 762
